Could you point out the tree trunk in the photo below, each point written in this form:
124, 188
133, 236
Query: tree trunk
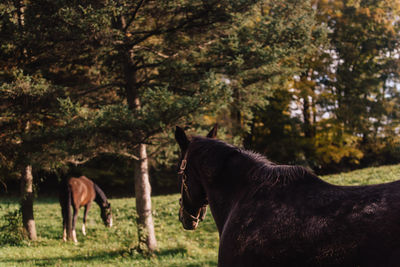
307, 118
27, 202
146, 235
147, 238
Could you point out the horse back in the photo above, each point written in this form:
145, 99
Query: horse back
82, 190
315, 223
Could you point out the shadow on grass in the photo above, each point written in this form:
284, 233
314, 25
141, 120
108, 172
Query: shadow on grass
172, 252
202, 264
179, 253
104, 255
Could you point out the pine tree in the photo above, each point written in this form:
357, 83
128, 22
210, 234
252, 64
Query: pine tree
121, 73
124, 74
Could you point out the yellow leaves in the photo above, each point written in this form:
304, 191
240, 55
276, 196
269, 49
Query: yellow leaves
287, 128
304, 84
209, 119
333, 145
365, 11
354, 3
37, 123
333, 153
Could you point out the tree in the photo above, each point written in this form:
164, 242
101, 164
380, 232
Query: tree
132, 52
12, 24
126, 72
346, 96
265, 48
364, 41
366, 65
23, 101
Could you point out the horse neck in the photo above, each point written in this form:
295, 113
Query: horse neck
227, 186
100, 198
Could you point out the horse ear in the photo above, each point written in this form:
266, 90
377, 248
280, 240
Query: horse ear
181, 138
213, 132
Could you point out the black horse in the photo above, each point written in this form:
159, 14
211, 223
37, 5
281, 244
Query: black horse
78, 192
278, 215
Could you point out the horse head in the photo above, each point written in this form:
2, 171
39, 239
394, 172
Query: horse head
193, 201
106, 214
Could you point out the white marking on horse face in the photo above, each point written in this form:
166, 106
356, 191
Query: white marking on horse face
111, 222
83, 229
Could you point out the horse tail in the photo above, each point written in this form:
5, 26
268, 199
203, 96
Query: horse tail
66, 202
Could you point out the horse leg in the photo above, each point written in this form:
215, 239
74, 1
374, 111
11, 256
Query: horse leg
64, 217
87, 207
75, 216
64, 197
64, 229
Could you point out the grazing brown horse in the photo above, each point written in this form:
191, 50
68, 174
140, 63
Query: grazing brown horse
78, 192
280, 215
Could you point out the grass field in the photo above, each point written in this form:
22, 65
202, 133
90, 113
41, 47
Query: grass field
111, 247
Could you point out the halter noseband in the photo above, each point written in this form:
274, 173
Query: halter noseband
184, 188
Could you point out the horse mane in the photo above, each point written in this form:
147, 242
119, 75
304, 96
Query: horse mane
259, 168
100, 196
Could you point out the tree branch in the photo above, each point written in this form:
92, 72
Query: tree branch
90, 90
133, 15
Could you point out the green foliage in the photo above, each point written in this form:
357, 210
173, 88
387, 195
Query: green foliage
25, 100
341, 110
264, 46
11, 231
182, 63
105, 58
24, 86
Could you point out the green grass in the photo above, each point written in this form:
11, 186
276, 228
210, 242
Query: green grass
111, 247
375, 175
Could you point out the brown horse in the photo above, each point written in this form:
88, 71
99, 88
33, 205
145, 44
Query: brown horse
78, 192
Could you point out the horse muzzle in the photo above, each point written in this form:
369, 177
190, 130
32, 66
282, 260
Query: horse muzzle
188, 222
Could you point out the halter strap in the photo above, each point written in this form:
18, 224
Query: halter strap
185, 189
182, 173
183, 163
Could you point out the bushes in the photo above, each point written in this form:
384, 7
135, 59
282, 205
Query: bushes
11, 229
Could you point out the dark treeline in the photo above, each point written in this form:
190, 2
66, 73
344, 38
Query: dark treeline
97, 87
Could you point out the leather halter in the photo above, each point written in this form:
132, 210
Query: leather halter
184, 188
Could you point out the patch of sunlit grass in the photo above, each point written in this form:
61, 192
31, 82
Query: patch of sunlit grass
112, 247
375, 175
